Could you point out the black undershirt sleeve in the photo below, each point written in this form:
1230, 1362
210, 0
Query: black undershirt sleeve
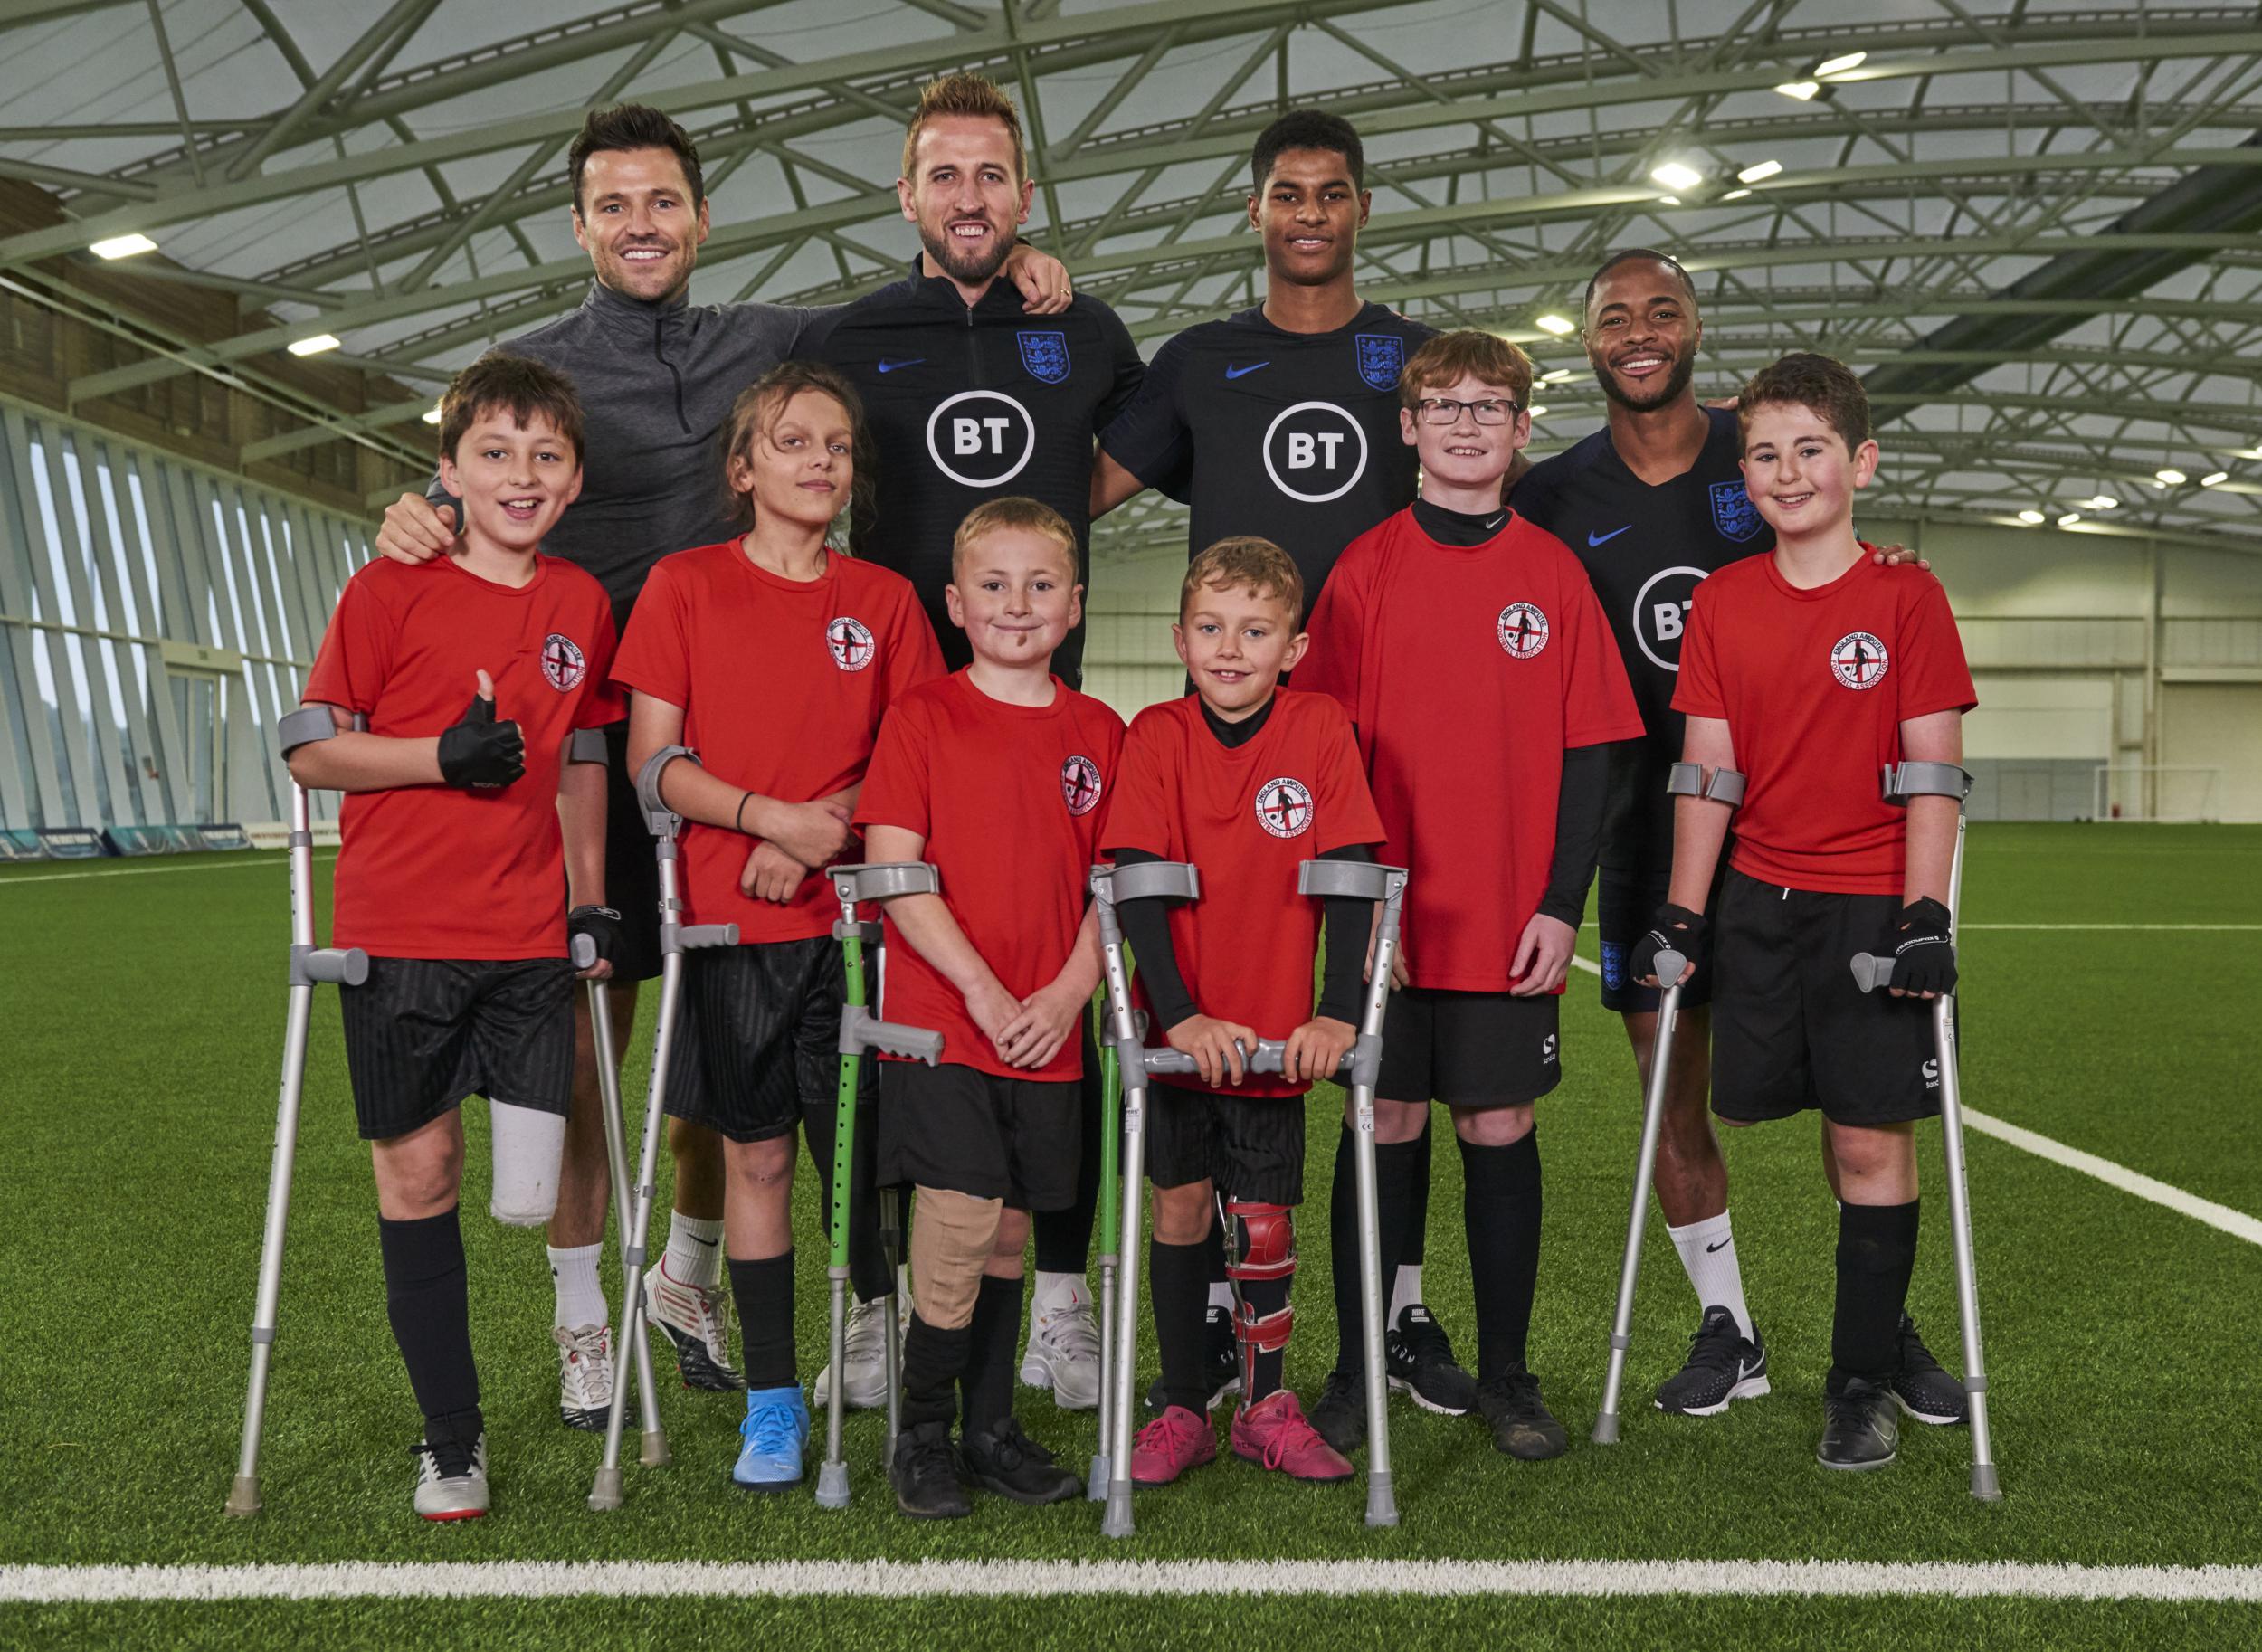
1578, 804
1147, 925
1348, 924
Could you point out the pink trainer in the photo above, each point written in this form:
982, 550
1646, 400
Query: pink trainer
1273, 1433
1172, 1443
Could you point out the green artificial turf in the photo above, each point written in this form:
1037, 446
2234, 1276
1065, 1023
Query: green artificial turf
143, 1015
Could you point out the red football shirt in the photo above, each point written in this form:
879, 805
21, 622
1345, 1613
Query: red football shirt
1814, 686
782, 684
1010, 800
1244, 818
1469, 672
431, 872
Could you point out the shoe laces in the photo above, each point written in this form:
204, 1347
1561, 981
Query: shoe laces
1170, 1434
1074, 1332
1423, 1339
1292, 1432
866, 1337
1717, 1343
447, 1459
588, 1363
771, 1428
1517, 1392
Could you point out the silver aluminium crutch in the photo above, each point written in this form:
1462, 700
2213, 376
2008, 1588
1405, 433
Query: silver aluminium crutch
1175, 880
1725, 786
860, 1030
655, 1447
310, 964
676, 938
1902, 781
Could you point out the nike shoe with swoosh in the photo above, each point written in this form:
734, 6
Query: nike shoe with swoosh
1723, 1367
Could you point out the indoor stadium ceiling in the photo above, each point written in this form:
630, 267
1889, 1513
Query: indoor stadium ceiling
2035, 227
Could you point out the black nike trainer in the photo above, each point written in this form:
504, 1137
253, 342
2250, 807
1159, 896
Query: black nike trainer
1723, 1366
1861, 1428
1419, 1359
1925, 1391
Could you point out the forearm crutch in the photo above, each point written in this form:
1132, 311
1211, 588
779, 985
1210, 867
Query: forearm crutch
1872, 974
676, 938
655, 1446
1723, 786
310, 964
862, 1030
1110, 1194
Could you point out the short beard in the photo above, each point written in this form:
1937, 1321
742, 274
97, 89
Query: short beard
1675, 382
968, 269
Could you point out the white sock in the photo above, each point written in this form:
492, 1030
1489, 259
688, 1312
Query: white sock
580, 1298
1221, 1295
695, 1251
1054, 1292
1708, 1255
1405, 1292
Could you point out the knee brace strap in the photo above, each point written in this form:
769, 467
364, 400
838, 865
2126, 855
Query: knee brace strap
530, 1146
1267, 1334
1259, 1240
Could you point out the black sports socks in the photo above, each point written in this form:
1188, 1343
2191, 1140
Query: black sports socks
1500, 1200
430, 1305
764, 1293
1876, 1252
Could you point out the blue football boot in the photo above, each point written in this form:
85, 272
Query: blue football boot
775, 1429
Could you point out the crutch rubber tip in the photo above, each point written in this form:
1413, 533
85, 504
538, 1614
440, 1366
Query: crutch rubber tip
604, 1492
243, 1497
1096, 1482
1116, 1521
1605, 1431
1985, 1486
655, 1452
832, 1487
1381, 1502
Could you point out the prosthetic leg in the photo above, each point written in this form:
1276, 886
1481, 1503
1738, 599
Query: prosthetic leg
1684, 780
1902, 781
862, 1030
310, 964
1175, 880
1110, 1191
676, 938
655, 1447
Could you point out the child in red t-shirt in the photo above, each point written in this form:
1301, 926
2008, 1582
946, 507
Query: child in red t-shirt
463, 829
1243, 779
1471, 652
773, 657
1809, 669
999, 775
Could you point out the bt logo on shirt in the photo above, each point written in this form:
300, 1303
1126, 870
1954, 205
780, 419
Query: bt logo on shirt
986, 431
1315, 452
1661, 614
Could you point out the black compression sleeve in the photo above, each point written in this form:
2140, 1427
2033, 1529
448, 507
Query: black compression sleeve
1579, 804
1147, 925
1348, 923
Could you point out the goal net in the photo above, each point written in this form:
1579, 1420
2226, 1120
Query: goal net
2151, 792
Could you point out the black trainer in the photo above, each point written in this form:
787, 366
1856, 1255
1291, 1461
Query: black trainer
925, 1473
1522, 1425
1924, 1390
1218, 1355
1860, 1427
1340, 1414
1010, 1464
1419, 1361
1723, 1366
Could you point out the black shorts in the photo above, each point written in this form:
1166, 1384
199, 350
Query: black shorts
1469, 1049
957, 1127
423, 1033
1790, 1029
631, 875
1624, 902
761, 1026
1250, 1146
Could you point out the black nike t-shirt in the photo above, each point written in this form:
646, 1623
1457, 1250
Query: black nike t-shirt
1645, 549
1292, 436
970, 404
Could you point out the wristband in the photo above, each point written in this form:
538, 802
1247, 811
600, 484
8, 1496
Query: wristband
738, 819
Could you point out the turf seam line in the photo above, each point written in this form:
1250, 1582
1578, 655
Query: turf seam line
866, 1579
144, 872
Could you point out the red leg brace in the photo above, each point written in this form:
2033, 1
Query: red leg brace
1259, 1244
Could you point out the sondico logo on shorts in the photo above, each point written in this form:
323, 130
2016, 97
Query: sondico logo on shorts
1080, 784
1315, 452
1284, 807
562, 666
1858, 660
1661, 614
1548, 1051
1522, 630
981, 437
851, 641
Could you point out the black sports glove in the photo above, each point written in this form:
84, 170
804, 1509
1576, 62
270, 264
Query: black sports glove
1672, 929
479, 752
601, 924
1924, 958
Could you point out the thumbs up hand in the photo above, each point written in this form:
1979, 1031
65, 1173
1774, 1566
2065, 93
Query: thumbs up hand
479, 752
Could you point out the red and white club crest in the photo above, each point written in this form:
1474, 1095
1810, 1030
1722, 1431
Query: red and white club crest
852, 643
1080, 784
562, 662
1284, 807
1523, 631
1859, 659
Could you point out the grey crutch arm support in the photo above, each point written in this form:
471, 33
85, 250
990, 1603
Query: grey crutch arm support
588, 745
1687, 780
304, 727
1910, 778
647, 777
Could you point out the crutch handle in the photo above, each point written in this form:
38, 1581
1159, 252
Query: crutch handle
583, 952
1669, 965
690, 936
1872, 971
1270, 1054
336, 965
889, 1038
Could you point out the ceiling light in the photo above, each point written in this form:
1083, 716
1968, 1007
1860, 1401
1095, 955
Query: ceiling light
1559, 377
314, 345
2252, 454
1668, 200
1801, 90
2105, 501
1735, 195
123, 246
1759, 174
432, 415
2069, 519
1536, 413
1839, 65
1673, 175
2172, 477
2030, 517
2209, 479
1552, 323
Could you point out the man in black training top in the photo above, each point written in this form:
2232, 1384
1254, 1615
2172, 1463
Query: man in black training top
1281, 422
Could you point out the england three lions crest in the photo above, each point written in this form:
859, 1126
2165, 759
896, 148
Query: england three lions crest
1046, 355
1733, 512
1382, 358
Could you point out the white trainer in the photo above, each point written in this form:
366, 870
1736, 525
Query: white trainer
451, 1484
585, 1375
864, 1373
696, 1324
1063, 1352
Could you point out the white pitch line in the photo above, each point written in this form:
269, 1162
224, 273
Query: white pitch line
2240, 928
143, 871
888, 1580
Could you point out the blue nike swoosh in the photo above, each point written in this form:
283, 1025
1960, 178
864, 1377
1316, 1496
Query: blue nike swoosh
1594, 538
889, 366
1233, 372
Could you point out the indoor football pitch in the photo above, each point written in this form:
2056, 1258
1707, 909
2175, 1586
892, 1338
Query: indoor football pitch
2112, 987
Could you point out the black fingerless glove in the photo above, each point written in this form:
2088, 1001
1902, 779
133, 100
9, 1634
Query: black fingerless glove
601, 924
479, 752
1924, 958
1672, 929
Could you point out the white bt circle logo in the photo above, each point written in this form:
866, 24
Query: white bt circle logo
1522, 630
981, 437
1858, 660
851, 641
1661, 613
1284, 807
1315, 452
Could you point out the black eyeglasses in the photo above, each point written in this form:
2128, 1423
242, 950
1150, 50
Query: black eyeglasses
1439, 409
